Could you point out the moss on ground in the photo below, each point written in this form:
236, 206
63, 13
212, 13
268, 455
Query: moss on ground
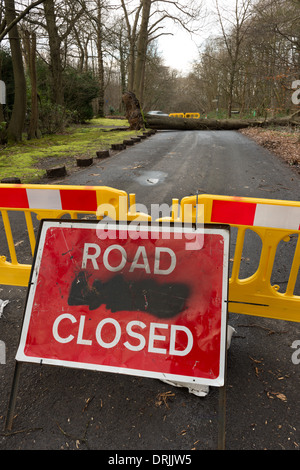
29, 159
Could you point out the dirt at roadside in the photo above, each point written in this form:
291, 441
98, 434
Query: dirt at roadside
284, 142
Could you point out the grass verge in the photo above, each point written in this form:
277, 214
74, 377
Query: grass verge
29, 159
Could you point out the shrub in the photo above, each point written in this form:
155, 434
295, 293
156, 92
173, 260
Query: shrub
80, 89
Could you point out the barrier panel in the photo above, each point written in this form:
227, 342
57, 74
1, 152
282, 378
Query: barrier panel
186, 115
192, 115
180, 115
274, 224
55, 202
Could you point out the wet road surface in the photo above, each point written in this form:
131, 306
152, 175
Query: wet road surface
61, 408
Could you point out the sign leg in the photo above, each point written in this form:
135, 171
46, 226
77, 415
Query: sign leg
222, 418
13, 397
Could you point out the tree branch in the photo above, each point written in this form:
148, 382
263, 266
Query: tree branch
19, 18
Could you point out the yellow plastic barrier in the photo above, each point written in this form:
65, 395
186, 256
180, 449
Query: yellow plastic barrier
192, 115
180, 115
186, 115
274, 222
53, 202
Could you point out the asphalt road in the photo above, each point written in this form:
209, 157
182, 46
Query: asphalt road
177, 164
61, 408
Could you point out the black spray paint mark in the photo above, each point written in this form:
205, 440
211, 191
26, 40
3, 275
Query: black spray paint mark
160, 300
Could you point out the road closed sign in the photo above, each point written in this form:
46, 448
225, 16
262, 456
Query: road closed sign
141, 300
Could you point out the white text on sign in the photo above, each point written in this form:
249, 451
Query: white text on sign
153, 337
92, 252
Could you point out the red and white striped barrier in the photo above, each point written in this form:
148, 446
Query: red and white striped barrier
49, 199
255, 214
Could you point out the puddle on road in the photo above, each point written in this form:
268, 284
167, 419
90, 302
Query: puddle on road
151, 178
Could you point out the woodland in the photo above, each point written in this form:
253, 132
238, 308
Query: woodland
67, 61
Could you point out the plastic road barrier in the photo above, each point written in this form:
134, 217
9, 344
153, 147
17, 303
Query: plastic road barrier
186, 115
192, 115
275, 224
53, 202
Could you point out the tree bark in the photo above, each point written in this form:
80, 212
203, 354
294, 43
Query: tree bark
3, 130
173, 123
132, 37
55, 54
100, 60
16, 124
30, 47
139, 75
133, 111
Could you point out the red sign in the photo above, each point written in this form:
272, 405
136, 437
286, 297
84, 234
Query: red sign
149, 302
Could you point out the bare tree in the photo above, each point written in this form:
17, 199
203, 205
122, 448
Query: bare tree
55, 52
95, 16
5, 26
132, 32
139, 73
149, 23
233, 40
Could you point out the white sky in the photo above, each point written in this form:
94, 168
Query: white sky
179, 50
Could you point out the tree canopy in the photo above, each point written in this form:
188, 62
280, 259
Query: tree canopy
67, 60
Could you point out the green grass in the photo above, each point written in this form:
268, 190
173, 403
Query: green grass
28, 159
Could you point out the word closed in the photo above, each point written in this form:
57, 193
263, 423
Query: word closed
131, 330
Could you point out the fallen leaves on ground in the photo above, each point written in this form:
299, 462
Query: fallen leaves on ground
278, 395
283, 142
162, 398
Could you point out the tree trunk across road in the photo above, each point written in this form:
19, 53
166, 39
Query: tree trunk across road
174, 123
135, 119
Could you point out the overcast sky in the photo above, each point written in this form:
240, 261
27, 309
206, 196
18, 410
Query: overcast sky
179, 50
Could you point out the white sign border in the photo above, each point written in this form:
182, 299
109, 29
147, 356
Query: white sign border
207, 229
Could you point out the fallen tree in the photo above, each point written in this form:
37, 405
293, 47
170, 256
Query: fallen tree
133, 111
175, 123
136, 121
